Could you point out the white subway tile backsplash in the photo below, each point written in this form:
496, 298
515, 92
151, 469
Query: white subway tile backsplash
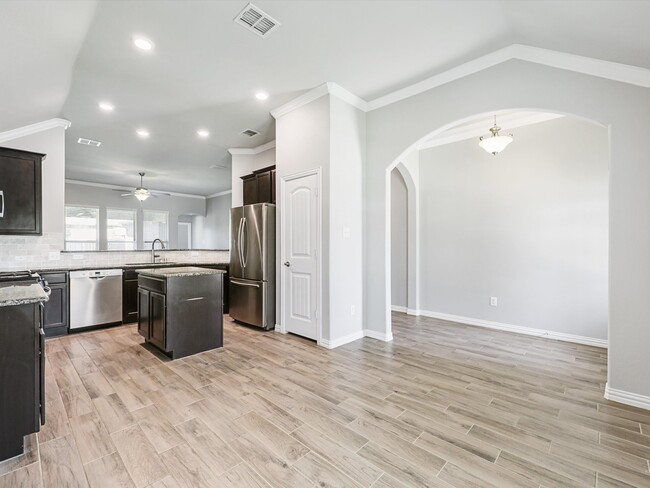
35, 253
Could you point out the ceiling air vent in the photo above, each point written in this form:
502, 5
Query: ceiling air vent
250, 132
257, 21
89, 142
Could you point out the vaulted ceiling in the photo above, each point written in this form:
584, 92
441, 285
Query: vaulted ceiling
61, 58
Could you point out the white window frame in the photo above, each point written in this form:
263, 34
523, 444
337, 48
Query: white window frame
65, 223
135, 227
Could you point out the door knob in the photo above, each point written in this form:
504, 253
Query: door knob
287, 264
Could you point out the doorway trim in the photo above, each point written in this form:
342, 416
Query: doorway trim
319, 241
188, 228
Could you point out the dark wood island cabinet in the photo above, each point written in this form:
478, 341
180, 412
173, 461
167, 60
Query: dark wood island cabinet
180, 310
22, 365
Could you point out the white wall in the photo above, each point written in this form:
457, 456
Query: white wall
77, 194
347, 158
213, 230
244, 164
399, 240
529, 226
303, 143
397, 128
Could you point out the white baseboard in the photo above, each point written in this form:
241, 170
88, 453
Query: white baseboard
412, 311
280, 329
342, 340
381, 336
627, 397
548, 334
398, 308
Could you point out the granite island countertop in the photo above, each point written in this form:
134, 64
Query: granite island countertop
128, 266
179, 271
21, 294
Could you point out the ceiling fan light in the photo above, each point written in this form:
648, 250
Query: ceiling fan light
141, 194
495, 144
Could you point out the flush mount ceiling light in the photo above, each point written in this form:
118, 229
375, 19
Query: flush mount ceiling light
143, 43
261, 95
202, 133
144, 133
106, 106
495, 143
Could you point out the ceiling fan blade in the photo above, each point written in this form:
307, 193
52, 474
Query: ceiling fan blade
122, 190
159, 194
126, 194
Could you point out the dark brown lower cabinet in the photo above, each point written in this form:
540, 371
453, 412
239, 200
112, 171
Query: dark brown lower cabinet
55, 313
157, 319
129, 296
181, 315
22, 376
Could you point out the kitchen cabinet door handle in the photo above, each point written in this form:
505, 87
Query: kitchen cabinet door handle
2, 201
194, 299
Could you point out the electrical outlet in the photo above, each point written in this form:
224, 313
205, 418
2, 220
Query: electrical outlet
21, 258
77, 256
54, 256
494, 302
353, 310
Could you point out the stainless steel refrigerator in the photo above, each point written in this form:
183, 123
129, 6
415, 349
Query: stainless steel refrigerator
252, 264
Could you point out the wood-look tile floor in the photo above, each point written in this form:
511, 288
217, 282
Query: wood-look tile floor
442, 405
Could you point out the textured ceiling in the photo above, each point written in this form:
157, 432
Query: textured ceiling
60, 58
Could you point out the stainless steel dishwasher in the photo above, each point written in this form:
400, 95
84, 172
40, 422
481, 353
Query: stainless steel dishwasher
95, 298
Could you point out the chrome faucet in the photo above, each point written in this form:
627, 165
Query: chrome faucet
153, 253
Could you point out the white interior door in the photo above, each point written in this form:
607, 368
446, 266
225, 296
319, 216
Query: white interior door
300, 243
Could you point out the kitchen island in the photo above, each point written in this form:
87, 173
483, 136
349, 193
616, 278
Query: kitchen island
22, 364
180, 309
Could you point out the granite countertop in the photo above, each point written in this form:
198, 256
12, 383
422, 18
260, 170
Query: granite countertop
182, 271
21, 294
137, 266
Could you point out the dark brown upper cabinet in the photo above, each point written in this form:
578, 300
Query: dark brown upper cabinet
20, 192
259, 186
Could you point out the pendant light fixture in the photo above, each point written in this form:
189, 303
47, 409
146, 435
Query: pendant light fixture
495, 143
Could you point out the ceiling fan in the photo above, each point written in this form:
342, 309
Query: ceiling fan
141, 193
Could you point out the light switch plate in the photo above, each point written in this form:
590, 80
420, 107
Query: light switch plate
494, 302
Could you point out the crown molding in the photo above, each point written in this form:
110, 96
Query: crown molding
219, 194
347, 96
251, 150
131, 188
480, 128
315, 93
304, 99
33, 129
624, 73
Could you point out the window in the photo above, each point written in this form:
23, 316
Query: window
155, 226
81, 228
120, 229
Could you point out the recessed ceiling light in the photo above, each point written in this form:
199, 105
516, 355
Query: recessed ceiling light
203, 133
143, 43
261, 95
106, 106
142, 133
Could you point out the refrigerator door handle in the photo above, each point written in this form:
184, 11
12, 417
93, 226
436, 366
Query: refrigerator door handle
239, 241
243, 283
244, 252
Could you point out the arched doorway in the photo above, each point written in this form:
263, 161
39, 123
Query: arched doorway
601, 295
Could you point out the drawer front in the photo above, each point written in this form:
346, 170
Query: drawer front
152, 284
130, 274
54, 278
